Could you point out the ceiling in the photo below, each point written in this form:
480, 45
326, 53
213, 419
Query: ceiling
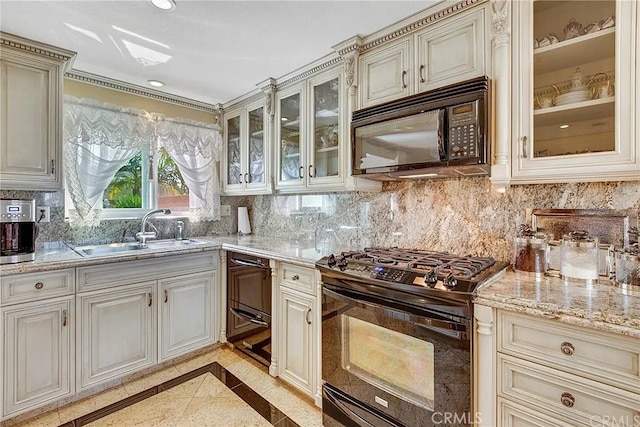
209, 51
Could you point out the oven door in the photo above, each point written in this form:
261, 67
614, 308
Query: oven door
385, 364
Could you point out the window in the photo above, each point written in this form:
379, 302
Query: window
133, 186
120, 162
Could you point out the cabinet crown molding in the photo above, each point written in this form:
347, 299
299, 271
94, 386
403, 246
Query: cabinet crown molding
416, 25
15, 42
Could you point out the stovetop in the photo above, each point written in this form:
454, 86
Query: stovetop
413, 270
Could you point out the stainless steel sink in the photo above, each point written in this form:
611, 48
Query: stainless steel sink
111, 248
172, 243
108, 248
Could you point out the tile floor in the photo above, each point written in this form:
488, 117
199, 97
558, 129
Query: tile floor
202, 400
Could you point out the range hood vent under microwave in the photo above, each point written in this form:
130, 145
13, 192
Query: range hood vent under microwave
436, 134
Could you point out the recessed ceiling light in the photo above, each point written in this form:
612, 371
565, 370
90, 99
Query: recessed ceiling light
564, 126
164, 4
156, 83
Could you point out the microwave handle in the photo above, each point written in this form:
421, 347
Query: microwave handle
441, 148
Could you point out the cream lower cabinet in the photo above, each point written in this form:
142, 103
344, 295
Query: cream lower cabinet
38, 354
134, 314
38, 324
299, 328
186, 310
116, 332
552, 373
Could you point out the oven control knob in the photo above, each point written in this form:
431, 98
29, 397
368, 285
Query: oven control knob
331, 262
449, 281
431, 279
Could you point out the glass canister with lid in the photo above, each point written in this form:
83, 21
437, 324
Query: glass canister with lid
628, 266
579, 257
530, 252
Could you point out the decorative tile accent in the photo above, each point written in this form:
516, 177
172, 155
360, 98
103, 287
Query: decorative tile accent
186, 401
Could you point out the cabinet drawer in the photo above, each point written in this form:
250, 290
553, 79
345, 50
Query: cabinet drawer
608, 358
576, 399
511, 414
300, 278
125, 272
35, 286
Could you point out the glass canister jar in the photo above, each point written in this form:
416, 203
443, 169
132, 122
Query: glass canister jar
530, 252
579, 257
628, 266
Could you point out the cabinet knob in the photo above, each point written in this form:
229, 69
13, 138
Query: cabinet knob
567, 400
39, 285
567, 348
295, 277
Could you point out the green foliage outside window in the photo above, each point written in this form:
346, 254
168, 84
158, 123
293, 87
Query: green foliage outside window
125, 189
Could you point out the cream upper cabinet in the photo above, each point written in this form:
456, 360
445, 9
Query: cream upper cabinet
247, 165
384, 73
31, 116
575, 96
443, 53
312, 131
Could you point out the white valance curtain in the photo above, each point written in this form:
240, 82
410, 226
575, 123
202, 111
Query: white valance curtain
100, 138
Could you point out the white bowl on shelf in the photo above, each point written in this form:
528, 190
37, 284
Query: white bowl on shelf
573, 97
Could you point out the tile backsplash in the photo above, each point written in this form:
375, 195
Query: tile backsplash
458, 215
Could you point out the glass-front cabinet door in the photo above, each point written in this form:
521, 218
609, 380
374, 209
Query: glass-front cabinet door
247, 155
574, 90
290, 151
325, 152
233, 176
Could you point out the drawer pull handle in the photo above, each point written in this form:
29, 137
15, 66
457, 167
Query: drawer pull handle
150, 299
39, 285
421, 74
295, 277
567, 348
567, 400
64, 318
307, 316
166, 296
404, 83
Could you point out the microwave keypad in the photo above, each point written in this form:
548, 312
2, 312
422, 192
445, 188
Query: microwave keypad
462, 140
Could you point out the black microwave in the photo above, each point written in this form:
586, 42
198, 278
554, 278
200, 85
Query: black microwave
440, 133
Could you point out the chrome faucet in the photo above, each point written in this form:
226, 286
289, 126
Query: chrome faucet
143, 235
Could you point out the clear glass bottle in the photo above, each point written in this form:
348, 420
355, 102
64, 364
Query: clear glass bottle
579, 257
628, 266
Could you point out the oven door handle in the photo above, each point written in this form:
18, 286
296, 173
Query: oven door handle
248, 263
344, 404
248, 316
364, 301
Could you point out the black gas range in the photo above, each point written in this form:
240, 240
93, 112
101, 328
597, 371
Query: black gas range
413, 271
397, 328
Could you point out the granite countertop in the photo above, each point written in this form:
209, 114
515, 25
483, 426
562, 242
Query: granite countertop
57, 255
603, 306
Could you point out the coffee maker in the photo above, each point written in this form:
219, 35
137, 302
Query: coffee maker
18, 230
